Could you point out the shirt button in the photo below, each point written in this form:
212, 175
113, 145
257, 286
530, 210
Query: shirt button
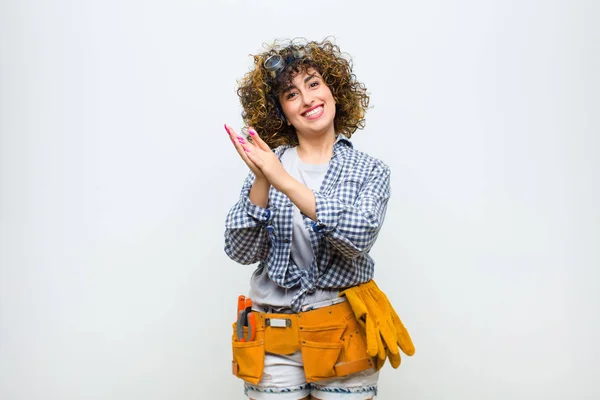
286, 240
289, 204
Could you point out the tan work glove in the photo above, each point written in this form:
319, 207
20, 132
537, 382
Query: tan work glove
382, 326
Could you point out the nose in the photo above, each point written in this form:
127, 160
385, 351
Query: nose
308, 99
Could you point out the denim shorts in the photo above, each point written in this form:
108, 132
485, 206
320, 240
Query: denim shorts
283, 379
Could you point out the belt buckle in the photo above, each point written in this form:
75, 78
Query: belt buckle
278, 322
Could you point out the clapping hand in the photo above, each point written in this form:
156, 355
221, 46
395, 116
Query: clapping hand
259, 157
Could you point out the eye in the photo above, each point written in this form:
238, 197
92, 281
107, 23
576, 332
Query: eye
314, 83
290, 95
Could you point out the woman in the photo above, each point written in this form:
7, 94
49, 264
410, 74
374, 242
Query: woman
309, 212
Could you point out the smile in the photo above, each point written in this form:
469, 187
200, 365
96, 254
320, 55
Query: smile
314, 113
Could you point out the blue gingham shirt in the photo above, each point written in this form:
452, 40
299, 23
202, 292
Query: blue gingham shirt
350, 210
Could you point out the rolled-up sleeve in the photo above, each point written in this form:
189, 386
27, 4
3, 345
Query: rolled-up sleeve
353, 228
246, 237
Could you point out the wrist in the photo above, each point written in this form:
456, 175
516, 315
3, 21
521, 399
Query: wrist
261, 181
259, 192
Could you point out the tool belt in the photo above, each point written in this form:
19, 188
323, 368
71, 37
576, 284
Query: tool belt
330, 339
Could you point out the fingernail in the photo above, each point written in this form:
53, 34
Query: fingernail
241, 140
252, 131
227, 129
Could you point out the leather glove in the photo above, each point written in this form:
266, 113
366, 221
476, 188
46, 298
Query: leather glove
384, 330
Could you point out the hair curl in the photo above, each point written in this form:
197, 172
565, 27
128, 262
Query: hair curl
259, 91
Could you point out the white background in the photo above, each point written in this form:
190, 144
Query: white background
116, 176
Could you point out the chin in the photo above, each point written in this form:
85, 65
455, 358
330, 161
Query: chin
319, 127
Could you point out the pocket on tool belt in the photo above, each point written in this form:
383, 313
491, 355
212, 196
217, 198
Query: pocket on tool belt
319, 359
248, 358
321, 346
331, 333
281, 336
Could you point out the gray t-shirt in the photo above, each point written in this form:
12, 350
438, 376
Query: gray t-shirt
263, 291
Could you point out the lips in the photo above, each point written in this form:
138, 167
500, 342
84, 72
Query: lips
311, 110
314, 112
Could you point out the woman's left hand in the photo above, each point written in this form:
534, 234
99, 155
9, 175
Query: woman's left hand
265, 159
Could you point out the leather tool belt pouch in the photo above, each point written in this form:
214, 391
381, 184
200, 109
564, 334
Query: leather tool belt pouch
330, 339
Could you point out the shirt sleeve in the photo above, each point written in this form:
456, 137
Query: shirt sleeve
246, 237
353, 228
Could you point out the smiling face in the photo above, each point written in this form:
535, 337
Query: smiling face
308, 104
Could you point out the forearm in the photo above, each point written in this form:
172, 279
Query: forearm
246, 240
301, 196
353, 227
245, 214
355, 230
259, 193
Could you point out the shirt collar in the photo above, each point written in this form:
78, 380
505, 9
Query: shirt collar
341, 145
344, 140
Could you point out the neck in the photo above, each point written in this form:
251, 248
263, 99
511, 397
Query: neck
316, 150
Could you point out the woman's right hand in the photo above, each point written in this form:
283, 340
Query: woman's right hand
241, 146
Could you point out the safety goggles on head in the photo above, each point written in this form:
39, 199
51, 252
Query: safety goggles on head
276, 63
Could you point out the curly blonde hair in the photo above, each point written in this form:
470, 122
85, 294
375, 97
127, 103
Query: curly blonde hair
259, 90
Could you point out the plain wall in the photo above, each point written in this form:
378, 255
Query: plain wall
116, 176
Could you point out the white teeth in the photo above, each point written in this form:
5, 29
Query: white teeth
313, 112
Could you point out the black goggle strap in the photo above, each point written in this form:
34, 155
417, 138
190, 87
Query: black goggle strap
278, 108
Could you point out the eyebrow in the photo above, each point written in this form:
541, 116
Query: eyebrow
308, 78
